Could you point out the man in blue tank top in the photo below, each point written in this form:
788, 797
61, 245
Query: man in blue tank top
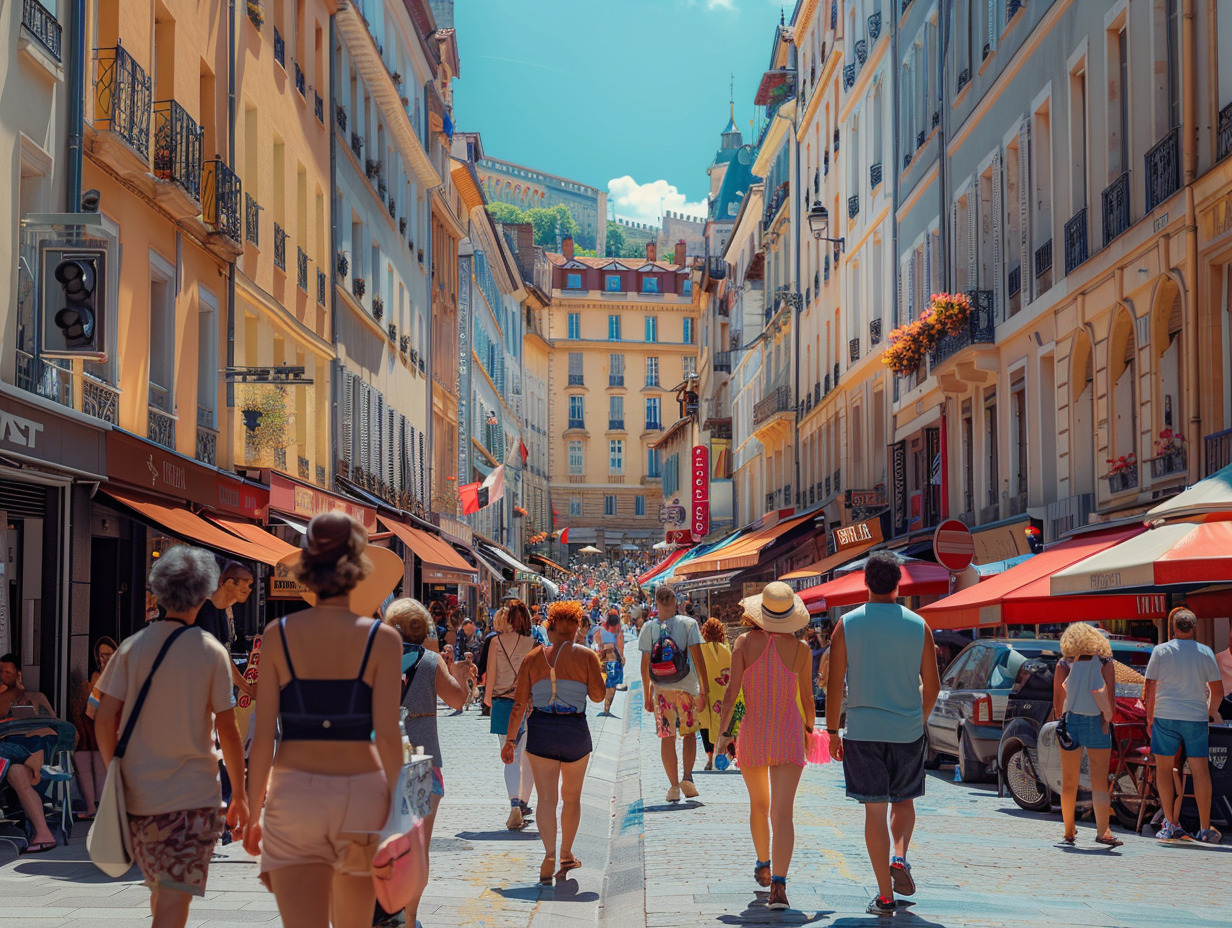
886, 655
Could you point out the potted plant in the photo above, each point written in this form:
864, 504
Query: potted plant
393, 332
378, 308
358, 286
256, 13
404, 344
1122, 473
1170, 455
343, 264
397, 78
951, 312
268, 420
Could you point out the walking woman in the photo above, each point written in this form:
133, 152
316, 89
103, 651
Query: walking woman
554, 683
718, 666
332, 679
508, 650
1084, 683
609, 643
774, 669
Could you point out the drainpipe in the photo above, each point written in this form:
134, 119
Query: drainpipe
230, 387
943, 161
799, 307
335, 366
897, 190
1189, 167
76, 105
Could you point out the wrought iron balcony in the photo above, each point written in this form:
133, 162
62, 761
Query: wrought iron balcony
577, 423
836, 373
936, 119
874, 331
280, 48
919, 139
340, 116
778, 401
722, 361
301, 269
357, 144
816, 392
1223, 147
1169, 464
359, 287
825, 267
252, 217
177, 147
1163, 169
861, 50
43, 25
836, 140
322, 286
849, 75
378, 307
1013, 283
964, 78
122, 98
825, 162
1218, 451
160, 428
654, 425
874, 26
1076, 240
220, 199
874, 175
1116, 208
577, 380
1123, 480
305, 467
280, 247
207, 444
980, 329
1043, 259
825, 386
716, 268
853, 206
318, 107
100, 400
853, 349
1012, 7
300, 83
615, 380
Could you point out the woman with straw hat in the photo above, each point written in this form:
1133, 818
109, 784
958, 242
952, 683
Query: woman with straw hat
774, 669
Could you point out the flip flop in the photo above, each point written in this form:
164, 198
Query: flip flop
40, 848
567, 864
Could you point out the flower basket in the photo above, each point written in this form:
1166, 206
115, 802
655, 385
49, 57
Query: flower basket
951, 312
256, 14
267, 421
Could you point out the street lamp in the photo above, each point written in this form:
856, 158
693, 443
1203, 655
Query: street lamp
819, 225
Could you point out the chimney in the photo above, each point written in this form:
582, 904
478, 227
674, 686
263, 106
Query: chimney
680, 246
567, 246
651, 252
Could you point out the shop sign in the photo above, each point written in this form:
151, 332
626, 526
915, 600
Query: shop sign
446, 576
1002, 542
284, 585
679, 538
701, 492
154, 469
299, 499
866, 499
36, 433
673, 514
898, 477
1151, 605
862, 533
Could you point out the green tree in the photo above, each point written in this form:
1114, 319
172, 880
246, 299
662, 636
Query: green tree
546, 220
507, 212
615, 240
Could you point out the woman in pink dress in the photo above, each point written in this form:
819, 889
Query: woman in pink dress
774, 669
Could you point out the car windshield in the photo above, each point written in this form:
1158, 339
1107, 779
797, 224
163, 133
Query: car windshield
1009, 662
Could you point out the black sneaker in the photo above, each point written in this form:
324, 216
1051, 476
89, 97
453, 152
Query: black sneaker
881, 906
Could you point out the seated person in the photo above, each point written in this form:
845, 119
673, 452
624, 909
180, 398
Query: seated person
22, 755
13, 691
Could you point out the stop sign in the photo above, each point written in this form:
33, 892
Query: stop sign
953, 546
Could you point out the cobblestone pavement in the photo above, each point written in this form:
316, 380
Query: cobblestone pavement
979, 860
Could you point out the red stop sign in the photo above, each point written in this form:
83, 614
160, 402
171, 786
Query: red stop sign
953, 546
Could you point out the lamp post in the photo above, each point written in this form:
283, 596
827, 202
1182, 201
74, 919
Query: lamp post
819, 225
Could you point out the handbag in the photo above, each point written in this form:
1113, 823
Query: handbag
109, 843
400, 865
502, 708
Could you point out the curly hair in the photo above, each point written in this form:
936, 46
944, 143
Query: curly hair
333, 561
183, 578
564, 613
410, 618
1081, 639
714, 630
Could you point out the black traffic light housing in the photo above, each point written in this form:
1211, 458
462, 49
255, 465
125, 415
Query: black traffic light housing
74, 302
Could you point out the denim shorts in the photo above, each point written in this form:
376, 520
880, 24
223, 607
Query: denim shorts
1087, 731
1167, 736
884, 771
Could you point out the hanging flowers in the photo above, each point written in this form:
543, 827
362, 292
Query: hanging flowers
947, 314
1122, 464
1169, 442
951, 312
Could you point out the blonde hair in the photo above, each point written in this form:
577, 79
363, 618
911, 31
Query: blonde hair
1081, 639
410, 618
500, 621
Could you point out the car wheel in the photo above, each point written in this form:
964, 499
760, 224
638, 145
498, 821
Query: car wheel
970, 768
1028, 792
932, 760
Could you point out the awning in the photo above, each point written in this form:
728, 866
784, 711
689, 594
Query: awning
504, 557
827, 564
1017, 595
663, 565
546, 562
256, 535
182, 523
744, 552
1174, 553
1213, 494
441, 563
706, 584
1000, 567
920, 578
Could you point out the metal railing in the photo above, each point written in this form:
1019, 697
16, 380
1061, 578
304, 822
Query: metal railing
1076, 240
874, 26
615, 380
1043, 259
778, 401
577, 423
100, 400
123, 97
980, 328
280, 247
874, 175
160, 428
874, 331
322, 286
849, 75
1013, 283
1169, 464
318, 107
716, 268
301, 269
1163, 169
177, 147
220, 199
577, 380
1223, 146
43, 25
1217, 450
615, 425
861, 50
1116, 208
280, 48
340, 116
853, 206
853, 349
1123, 480
654, 425
722, 361
252, 219
300, 83
207, 440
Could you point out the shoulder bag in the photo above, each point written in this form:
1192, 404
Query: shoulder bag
108, 842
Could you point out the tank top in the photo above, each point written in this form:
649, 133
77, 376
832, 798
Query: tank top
884, 646
420, 704
315, 709
1084, 677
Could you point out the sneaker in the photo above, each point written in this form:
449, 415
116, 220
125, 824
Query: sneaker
689, 790
881, 906
900, 876
673, 794
1209, 836
1171, 832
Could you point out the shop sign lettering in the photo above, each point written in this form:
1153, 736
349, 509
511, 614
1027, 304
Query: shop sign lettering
1151, 604
850, 535
701, 492
18, 431
1107, 580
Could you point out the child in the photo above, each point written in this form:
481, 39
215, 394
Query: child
466, 673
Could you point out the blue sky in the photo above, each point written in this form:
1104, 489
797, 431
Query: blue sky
625, 95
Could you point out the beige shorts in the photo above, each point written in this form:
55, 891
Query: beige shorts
311, 818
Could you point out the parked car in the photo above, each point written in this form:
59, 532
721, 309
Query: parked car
966, 724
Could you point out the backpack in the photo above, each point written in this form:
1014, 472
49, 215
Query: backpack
669, 663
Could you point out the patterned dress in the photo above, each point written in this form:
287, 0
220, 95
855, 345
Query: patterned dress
772, 732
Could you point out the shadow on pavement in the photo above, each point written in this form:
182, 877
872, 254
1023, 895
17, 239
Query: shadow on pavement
563, 891
675, 806
758, 914
504, 834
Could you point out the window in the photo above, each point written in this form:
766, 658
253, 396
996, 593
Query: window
650, 285
616, 456
611, 283
573, 281
689, 361
575, 369
577, 412
991, 436
577, 461
639, 505
616, 412
688, 332
688, 286
609, 505
654, 413
575, 325
652, 328
162, 334
652, 372
613, 328
654, 463
575, 506
207, 358
616, 370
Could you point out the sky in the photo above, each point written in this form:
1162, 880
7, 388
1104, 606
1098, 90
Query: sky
629, 96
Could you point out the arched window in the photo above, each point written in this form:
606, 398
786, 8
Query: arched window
1122, 372
1169, 418
1082, 417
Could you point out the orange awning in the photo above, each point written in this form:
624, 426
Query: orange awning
255, 534
178, 521
442, 564
547, 562
744, 552
827, 564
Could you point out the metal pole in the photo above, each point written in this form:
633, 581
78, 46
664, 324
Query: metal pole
76, 105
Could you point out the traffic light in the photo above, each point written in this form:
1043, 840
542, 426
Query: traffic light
1035, 536
74, 302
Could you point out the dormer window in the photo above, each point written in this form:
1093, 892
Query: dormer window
650, 285
611, 283
573, 281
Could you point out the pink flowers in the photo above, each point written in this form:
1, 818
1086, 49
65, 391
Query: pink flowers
947, 314
1124, 463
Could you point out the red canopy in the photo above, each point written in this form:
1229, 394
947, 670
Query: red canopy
663, 564
920, 578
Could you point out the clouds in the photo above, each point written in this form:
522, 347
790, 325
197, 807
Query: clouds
646, 202
718, 4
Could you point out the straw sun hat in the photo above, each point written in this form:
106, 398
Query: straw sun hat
776, 609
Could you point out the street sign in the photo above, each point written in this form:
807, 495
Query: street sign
701, 492
953, 546
672, 514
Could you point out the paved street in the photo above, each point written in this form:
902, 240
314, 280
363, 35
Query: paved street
979, 860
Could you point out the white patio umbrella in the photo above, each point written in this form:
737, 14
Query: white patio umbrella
590, 549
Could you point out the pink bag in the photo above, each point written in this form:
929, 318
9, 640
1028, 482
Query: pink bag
400, 869
816, 747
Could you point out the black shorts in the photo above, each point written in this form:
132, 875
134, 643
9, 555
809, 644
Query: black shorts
884, 771
564, 738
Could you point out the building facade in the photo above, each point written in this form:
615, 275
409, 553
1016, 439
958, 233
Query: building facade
529, 188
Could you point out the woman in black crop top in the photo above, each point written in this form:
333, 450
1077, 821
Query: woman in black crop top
332, 678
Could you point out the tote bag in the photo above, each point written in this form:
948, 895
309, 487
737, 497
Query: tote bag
108, 842
400, 866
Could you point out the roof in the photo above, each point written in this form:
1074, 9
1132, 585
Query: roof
629, 264
736, 181
470, 191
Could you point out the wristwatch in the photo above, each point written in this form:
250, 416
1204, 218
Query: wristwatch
831, 731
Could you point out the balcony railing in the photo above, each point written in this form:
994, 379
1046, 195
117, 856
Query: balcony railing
220, 199
964, 78
1043, 259
980, 328
43, 25
722, 361
615, 380
849, 75
769, 501
1218, 451
160, 428
853, 349
280, 48
861, 50
322, 287
340, 116
300, 83
1076, 240
1223, 147
853, 206
318, 107
1163, 169
778, 401
301, 269
615, 425
716, 268
280, 247
577, 423
874, 331
252, 219
1123, 480
654, 425
874, 175
207, 436
577, 380
1013, 283
1169, 464
1116, 208
874, 26
122, 98
177, 147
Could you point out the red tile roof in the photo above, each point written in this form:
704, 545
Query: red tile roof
631, 264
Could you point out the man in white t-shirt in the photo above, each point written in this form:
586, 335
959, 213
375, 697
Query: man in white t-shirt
1224, 660
675, 703
1183, 690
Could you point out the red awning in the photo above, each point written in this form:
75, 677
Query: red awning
920, 578
1022, 595
663, 565
442, 564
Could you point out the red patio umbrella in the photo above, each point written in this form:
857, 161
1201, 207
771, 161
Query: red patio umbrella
920, 578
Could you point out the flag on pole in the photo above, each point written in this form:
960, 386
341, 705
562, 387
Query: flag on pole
524, 450
476, 496
564, 536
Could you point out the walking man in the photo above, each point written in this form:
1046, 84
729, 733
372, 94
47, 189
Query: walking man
674, 683
887, 657
1183, 691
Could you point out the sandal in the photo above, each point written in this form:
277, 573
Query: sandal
1068, 840
41, 848
567, 864
1109, 840
547, 868
761, 872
